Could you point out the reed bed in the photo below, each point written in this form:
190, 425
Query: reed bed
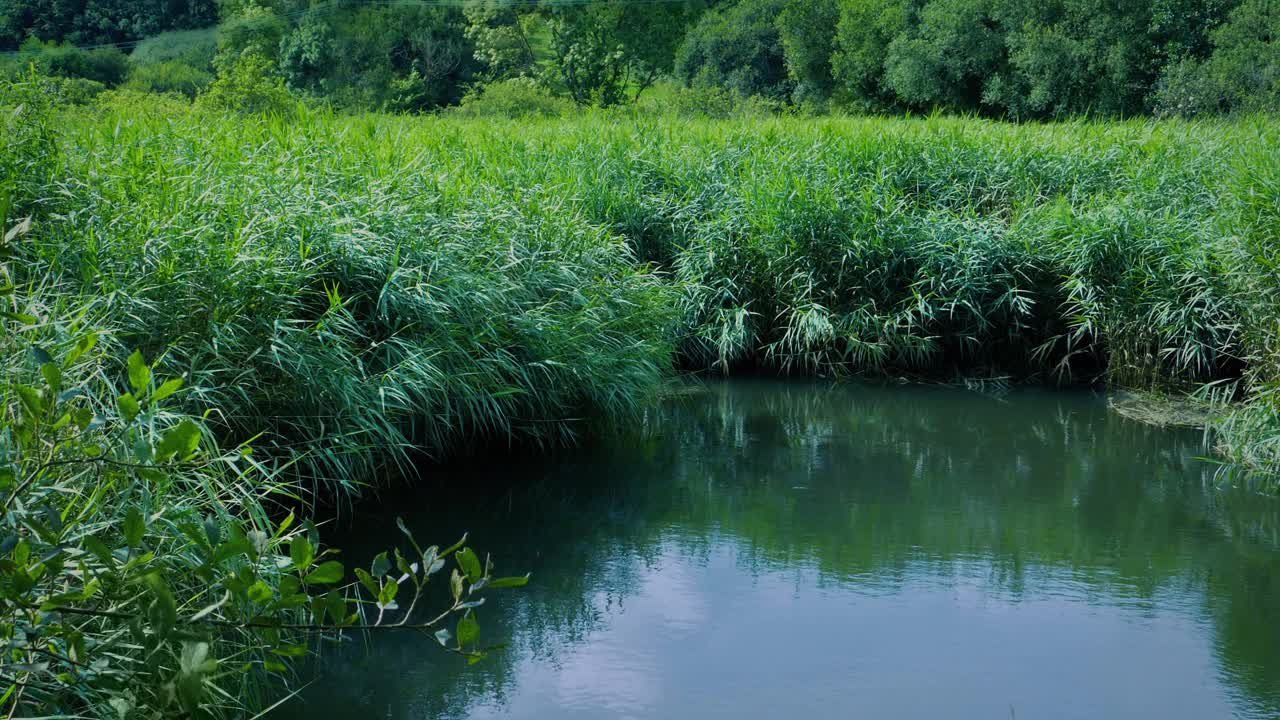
362, 288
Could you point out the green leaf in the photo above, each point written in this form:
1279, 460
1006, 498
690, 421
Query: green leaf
367, 581
139, 373
83, 345
260, 592
468, 630
168, 388
194, 657
128, 406
301, 552
336, 606
387, 595
509, 582
17, 231
318, 610
403, 565
22, 318
52, 375
381, 565
284, 524
454, 546
22, 552
163, 612
400, 524
212, 531
470, 564
327, 573
179, 441
290, 650
99, 550
32, 402
134, 527
455, 585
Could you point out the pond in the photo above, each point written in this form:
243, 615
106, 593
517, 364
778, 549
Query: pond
762, 549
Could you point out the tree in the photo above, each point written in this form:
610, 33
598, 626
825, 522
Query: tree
739, 47
307, 56
108, 66
863, 33
254, 30
1075, 56
1242, 73
249, 85
808, 31
407, 59
1018, 58
946, 58
608, 51
501, 32
94, 22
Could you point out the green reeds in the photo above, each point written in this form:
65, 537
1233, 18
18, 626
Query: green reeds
360, 286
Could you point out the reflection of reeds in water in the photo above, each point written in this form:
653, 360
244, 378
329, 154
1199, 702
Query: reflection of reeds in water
876, 489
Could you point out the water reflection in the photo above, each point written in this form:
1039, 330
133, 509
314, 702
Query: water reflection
760, 549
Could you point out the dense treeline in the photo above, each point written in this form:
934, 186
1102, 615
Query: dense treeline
1021, 59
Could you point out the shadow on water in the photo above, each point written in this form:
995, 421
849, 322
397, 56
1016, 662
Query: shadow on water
762, 548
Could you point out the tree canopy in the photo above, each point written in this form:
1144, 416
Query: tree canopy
1020, 59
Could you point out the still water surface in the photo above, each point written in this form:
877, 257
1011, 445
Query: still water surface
774, 550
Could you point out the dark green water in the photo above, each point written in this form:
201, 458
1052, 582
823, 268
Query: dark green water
774, 550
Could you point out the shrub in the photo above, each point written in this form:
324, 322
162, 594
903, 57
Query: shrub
128, 100
251, 87
194, 48
29, 152
140, 572
169, 76
107, 66
400, 58
436, 319
514, 98
712, 101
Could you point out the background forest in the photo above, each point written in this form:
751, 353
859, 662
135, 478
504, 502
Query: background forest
1018, 59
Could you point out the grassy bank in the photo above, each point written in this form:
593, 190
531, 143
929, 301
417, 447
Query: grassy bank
351, 292
419, 281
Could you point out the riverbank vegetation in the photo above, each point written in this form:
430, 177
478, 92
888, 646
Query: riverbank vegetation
349, 294
246, 276
363, 288
144, 572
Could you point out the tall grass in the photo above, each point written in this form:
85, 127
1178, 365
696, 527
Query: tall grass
322, 283
357, 287
142, 571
